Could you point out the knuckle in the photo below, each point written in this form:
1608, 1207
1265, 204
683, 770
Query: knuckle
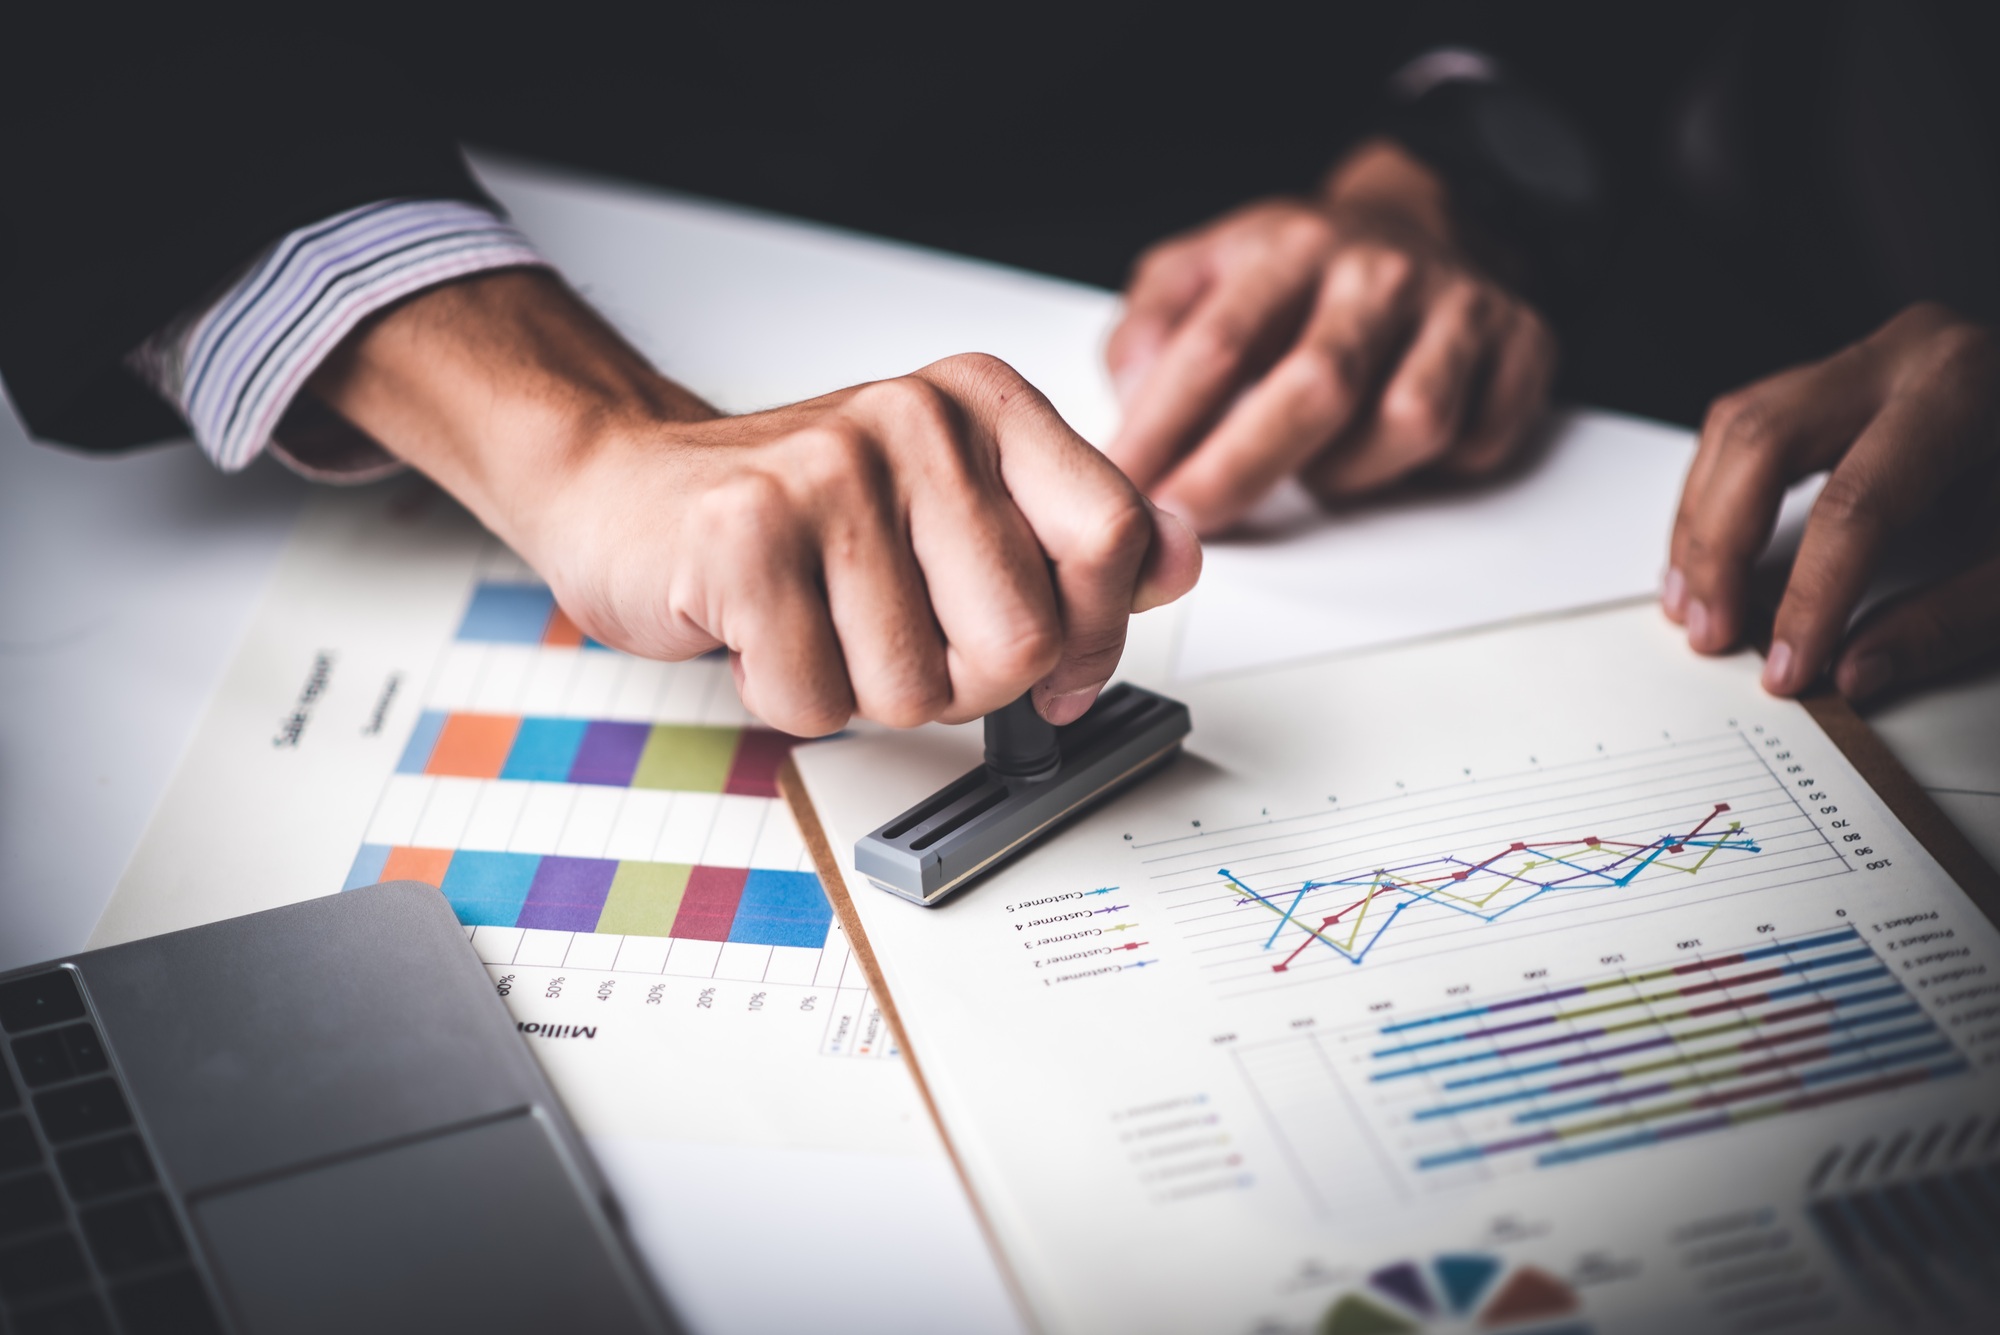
1388, 267
981, 372
1118, 533
1302, 231
837, 461
1742, 422
750, 505
1964, 347
1024, 651
1847, 502
1414, 414
1217, 346
1320, 381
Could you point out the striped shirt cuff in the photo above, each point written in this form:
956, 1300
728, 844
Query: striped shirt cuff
233, 367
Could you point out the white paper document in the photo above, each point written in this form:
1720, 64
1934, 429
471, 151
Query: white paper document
409, 704
1547, 978
1586, 524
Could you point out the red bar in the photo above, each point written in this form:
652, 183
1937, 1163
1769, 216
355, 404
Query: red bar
708, 905
753, 771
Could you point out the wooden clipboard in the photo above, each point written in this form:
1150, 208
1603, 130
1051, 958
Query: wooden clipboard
1847, 730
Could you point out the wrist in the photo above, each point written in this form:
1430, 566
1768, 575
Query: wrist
503, 389
1378, 177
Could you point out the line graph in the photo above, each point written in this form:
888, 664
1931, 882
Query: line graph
1490, 888
1283, 901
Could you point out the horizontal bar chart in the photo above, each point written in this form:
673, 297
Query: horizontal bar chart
675, 757
520, 613
601, 895
1657, 1054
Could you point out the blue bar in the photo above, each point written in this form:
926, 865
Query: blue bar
368, 864
1872, 1017
423, 738
544, 749
508, 614
782, 908
488, 889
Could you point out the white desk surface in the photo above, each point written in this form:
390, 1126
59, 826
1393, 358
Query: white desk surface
127, 581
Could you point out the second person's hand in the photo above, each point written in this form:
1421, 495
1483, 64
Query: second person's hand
1346, 340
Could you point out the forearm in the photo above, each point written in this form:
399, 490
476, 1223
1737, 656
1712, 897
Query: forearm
499, 388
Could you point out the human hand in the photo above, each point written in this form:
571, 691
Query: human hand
1346, 340
1908, 420
927, 547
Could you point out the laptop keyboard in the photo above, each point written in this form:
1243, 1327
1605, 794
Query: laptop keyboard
89, 1244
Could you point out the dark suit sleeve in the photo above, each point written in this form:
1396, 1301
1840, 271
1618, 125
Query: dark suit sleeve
141, 169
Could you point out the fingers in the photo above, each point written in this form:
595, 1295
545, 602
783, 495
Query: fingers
986, 579
1093, 528
1515, 398
1367, 307
1164, 287
1422, 410
893, 647
1923, 635
1897, 467
762, 600
1237, 324
1753, 445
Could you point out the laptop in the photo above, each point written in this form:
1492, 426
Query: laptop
319, 1118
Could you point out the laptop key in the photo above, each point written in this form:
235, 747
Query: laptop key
28, 1205
45, 1266
43, 1058
18, 1146
79, 1314
169, 1304
105, 1168
128, 1235
42, 999
86, 1050
76, 1111
10, 1097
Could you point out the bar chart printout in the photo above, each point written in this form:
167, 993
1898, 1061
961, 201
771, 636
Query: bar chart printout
1622, 1061
502, 867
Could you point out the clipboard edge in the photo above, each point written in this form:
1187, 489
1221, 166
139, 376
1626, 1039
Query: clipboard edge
792, 787
1906, 799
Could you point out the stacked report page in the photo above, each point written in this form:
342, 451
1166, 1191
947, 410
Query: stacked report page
1549, 977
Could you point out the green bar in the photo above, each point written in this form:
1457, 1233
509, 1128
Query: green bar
685, 759
644, 898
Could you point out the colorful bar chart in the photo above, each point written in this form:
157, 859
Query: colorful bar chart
511, 613
1653, 1055
686, 758
569, 894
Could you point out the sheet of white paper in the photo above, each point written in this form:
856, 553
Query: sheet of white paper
1587, 524
407, 703
1549, 973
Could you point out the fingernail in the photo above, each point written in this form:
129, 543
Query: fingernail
1674, 592
1778, 668
1867, 675
1070, 706
1697, 624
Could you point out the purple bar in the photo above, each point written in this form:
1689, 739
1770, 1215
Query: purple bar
609, 754
567, 894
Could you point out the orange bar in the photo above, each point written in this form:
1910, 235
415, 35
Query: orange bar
473, 746
562, 632
417, 864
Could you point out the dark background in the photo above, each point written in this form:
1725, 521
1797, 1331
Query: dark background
151, 152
